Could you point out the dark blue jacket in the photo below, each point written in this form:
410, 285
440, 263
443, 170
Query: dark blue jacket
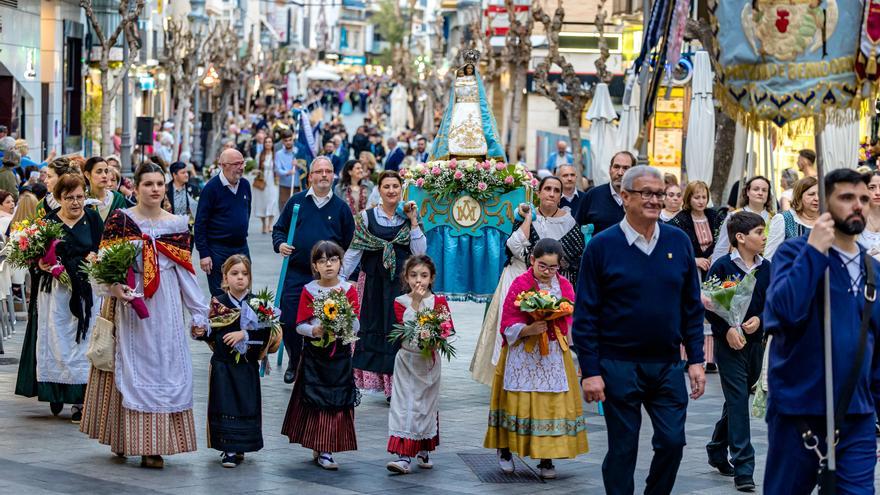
394, 159
635, 307
793, 315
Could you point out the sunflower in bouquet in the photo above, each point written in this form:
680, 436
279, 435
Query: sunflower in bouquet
34, 241
541, 305
336, 315
431, 330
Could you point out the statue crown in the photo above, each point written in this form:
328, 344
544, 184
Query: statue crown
471, 56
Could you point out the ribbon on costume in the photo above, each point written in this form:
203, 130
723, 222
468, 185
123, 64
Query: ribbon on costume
543, 340
365, 240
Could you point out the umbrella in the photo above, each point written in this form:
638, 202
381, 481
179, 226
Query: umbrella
840, 140
628, 131
322, 72
603, 134
699, 152
399, 109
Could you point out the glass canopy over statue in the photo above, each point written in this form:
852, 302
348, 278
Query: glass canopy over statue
468, 128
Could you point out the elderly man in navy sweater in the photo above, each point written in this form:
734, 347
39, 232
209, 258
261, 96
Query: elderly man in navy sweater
322, 217
793, 315
638, 300
222, 218
602, 205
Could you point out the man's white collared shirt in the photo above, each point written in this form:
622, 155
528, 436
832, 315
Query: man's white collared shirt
632, 237
740, 262
573, 195
615, 196
319, 201
232, 187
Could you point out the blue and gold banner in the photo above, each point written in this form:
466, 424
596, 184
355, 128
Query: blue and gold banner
783, 60
466, 240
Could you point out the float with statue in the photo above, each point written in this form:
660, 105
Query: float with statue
467, 194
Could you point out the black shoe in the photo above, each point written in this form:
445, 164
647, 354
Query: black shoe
76, 415
289, 376
711, 368
239, 457
744, 483
227, 460
724, 467
56, 408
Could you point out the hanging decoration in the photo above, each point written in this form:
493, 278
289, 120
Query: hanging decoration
869, 42
676, 33
783, 60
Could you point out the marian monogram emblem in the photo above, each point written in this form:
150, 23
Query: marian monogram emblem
786, 29
466, 211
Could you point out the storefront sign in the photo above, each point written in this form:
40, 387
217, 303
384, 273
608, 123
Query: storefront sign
353, 60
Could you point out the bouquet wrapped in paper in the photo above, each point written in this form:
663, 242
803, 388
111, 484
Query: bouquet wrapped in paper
336, 314
268, 316
31, 242
115, 265
540, 305
431, 330
729, 299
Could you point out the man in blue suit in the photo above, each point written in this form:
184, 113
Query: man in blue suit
396, 156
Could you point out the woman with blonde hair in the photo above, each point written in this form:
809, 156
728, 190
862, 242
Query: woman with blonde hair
798, 220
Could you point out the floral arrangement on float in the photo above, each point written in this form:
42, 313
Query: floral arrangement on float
482, 180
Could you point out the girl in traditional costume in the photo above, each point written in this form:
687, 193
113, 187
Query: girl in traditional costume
547, 221
535, 407
144, 407
414, 417
235, 416
101, 197
320, 415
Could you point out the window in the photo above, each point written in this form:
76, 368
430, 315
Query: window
587, 42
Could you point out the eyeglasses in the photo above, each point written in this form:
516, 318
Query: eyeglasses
74, 199
322, 172
234, 164
327, 261
647, 194
547, 268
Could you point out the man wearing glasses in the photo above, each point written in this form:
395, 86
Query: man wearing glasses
322, 217
602, 205
222, 217
638, 300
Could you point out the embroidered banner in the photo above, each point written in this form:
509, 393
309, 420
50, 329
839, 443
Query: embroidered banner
869, 42
783, 60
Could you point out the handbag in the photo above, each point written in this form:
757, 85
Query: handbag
259, 182
102, 346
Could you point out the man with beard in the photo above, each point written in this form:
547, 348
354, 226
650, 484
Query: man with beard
602, 205
794, 316
322, 217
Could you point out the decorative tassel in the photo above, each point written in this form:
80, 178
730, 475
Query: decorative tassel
871, 70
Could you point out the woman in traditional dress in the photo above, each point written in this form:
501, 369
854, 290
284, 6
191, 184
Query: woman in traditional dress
535, 407
384, 237
101, 196
756, 197
144, 407
354, 187
62, 369
7, 209
549, 221
56, 168
797, 220
870, 237
265, 200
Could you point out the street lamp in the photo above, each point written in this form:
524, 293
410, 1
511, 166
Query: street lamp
198, 23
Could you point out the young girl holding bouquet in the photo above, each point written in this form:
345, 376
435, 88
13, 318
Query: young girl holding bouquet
535, 407
320, 415
235, 418
414, 417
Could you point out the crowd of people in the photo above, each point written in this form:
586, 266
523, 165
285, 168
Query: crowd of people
355, 235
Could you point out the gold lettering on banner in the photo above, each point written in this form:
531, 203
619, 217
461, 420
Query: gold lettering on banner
791, 70
466, 211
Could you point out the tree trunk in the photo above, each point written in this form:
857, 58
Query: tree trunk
577, 150
179, 112
725, 139
516, 115
106, 106
185, 139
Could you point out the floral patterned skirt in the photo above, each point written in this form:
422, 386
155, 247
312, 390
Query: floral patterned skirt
540, 425
373, 382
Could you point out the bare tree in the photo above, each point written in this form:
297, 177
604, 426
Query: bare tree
517, 54
492, 66
129, 12
234, 71
575, 96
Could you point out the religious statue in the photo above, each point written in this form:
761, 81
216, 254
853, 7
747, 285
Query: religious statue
468, 128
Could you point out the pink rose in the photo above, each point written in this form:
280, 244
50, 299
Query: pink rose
436, 170
458, 174
452, 164
508, 179
420, 182
481, 186
500, 166
487, 165
534, 182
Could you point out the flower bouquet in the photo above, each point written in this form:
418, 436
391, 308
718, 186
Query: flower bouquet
114, 265
729, 299
336, 315
36, 241
431, 330
268, 316
481, 180
540, 305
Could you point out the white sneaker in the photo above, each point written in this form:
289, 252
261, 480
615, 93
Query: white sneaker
325, 460
547, 471
424, 461
400, 466
506, 465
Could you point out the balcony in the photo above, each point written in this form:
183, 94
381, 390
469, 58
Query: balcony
354, 4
